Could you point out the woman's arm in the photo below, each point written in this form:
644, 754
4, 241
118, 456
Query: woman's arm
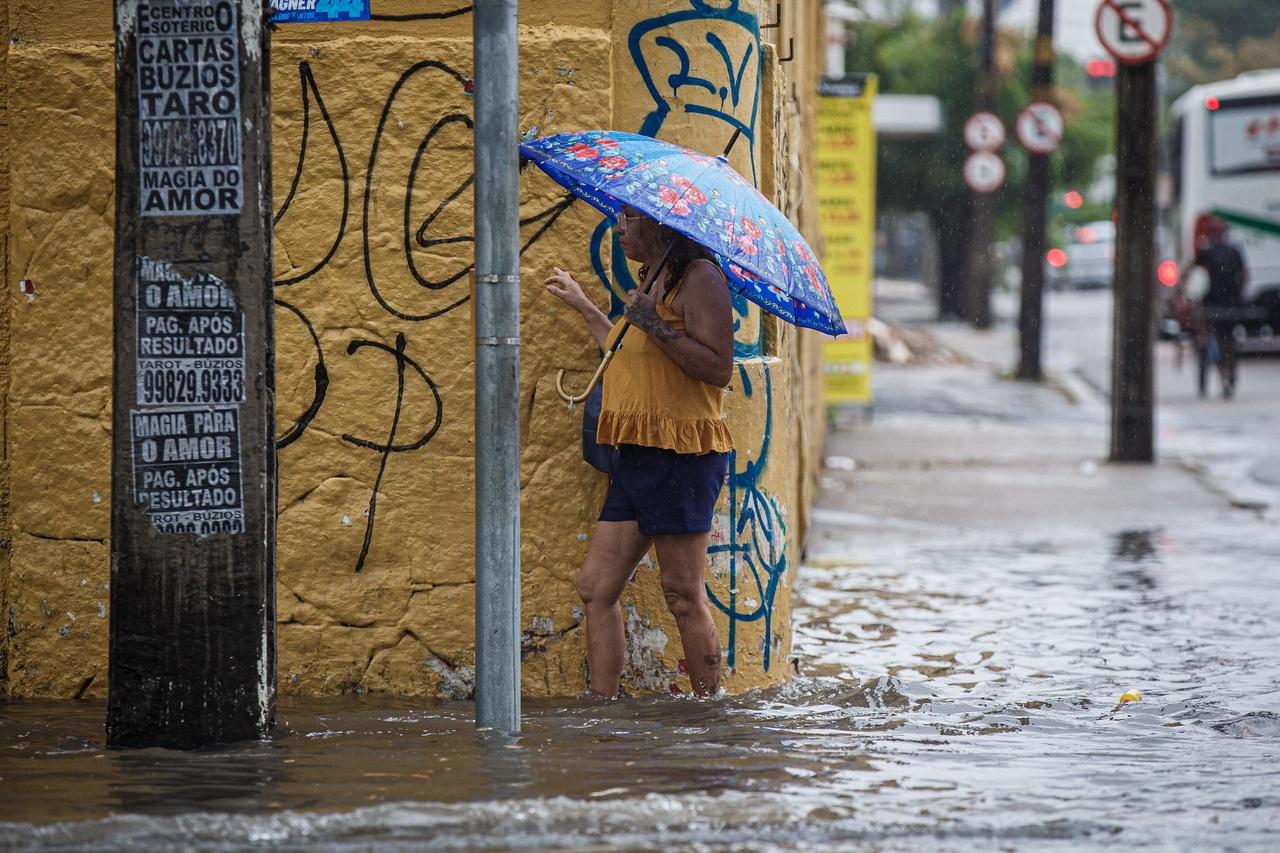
705, 349
562, 286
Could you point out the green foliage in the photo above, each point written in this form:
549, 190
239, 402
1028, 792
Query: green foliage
1233, 20
1218, 39
915, 55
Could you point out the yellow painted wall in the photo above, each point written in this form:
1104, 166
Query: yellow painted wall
376, 568
4, 336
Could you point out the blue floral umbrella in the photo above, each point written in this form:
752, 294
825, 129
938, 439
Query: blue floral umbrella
762, 254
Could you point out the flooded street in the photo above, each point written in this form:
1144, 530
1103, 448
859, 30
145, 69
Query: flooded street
314, 393
950, 697
980, 590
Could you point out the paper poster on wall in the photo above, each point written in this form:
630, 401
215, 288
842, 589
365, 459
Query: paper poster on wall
186, 469
190, 338
190, 382
846, 189
190, 161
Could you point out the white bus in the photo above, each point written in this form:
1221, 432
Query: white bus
1225, 160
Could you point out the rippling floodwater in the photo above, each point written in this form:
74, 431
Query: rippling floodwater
958, 692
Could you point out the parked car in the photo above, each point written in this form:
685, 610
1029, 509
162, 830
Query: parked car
1088, 260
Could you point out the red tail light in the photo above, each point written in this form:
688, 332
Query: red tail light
1057, 258
1168, 273
1100, 68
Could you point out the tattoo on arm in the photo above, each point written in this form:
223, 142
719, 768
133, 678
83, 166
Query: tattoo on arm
664, 333
649, 321
712, 661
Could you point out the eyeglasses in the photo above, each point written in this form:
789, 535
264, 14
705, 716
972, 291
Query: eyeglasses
625, 220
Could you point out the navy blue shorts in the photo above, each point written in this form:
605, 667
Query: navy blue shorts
664, 492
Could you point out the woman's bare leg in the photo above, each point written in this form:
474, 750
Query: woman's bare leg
616, 547
682, 561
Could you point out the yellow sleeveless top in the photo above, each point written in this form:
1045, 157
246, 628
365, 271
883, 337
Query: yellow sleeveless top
649, 400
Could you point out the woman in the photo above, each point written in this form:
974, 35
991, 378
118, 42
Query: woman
662, 406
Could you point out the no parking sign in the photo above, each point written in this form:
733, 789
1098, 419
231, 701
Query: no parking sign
1134, 31
1040, 127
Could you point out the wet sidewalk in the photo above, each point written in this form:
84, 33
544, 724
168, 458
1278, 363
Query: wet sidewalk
1229, 446
1006, 567
954, 440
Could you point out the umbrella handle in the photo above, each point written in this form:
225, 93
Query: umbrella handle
617, 342
595, 380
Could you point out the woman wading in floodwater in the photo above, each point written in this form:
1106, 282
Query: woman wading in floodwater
662, 408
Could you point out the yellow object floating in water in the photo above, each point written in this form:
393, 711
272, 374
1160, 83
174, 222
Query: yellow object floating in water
1131, 696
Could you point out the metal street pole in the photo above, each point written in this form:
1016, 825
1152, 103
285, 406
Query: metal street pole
1132, 396
1031, 312
981, 264
193, 466
496, 308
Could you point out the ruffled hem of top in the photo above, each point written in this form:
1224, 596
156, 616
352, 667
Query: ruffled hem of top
649, 430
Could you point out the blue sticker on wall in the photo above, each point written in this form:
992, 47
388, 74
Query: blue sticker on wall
320, 11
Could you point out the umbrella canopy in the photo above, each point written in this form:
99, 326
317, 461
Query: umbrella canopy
762, 254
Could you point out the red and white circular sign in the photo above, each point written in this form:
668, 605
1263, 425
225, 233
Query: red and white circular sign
1134, 31
1040, 127
984, 172
984, 131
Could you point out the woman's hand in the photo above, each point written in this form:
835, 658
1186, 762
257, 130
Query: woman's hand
562, 286
642, 312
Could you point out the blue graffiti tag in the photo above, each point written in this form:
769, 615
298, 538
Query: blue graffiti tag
733, 15
759, 554
319, 11
734, 75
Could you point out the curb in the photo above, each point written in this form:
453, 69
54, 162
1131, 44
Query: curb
1255, 500
1078, 390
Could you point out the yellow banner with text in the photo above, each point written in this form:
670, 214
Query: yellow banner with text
846, 209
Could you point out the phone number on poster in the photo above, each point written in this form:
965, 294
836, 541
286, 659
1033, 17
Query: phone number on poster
168, 386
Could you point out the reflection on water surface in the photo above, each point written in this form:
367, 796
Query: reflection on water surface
956, 694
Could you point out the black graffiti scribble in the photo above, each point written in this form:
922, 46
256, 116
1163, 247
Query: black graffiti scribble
421, 235
391, 447
422, 239
416, 236
309, 90
321, 379
424, 16
551, 214
425, 241
368, 189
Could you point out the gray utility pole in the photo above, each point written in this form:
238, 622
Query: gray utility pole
981, 263
1132, 396
193, 473
496, 308
1031, 311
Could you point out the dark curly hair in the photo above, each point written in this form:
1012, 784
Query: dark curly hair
684, 251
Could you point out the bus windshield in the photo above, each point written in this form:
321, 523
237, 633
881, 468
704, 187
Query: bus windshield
1245, 136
